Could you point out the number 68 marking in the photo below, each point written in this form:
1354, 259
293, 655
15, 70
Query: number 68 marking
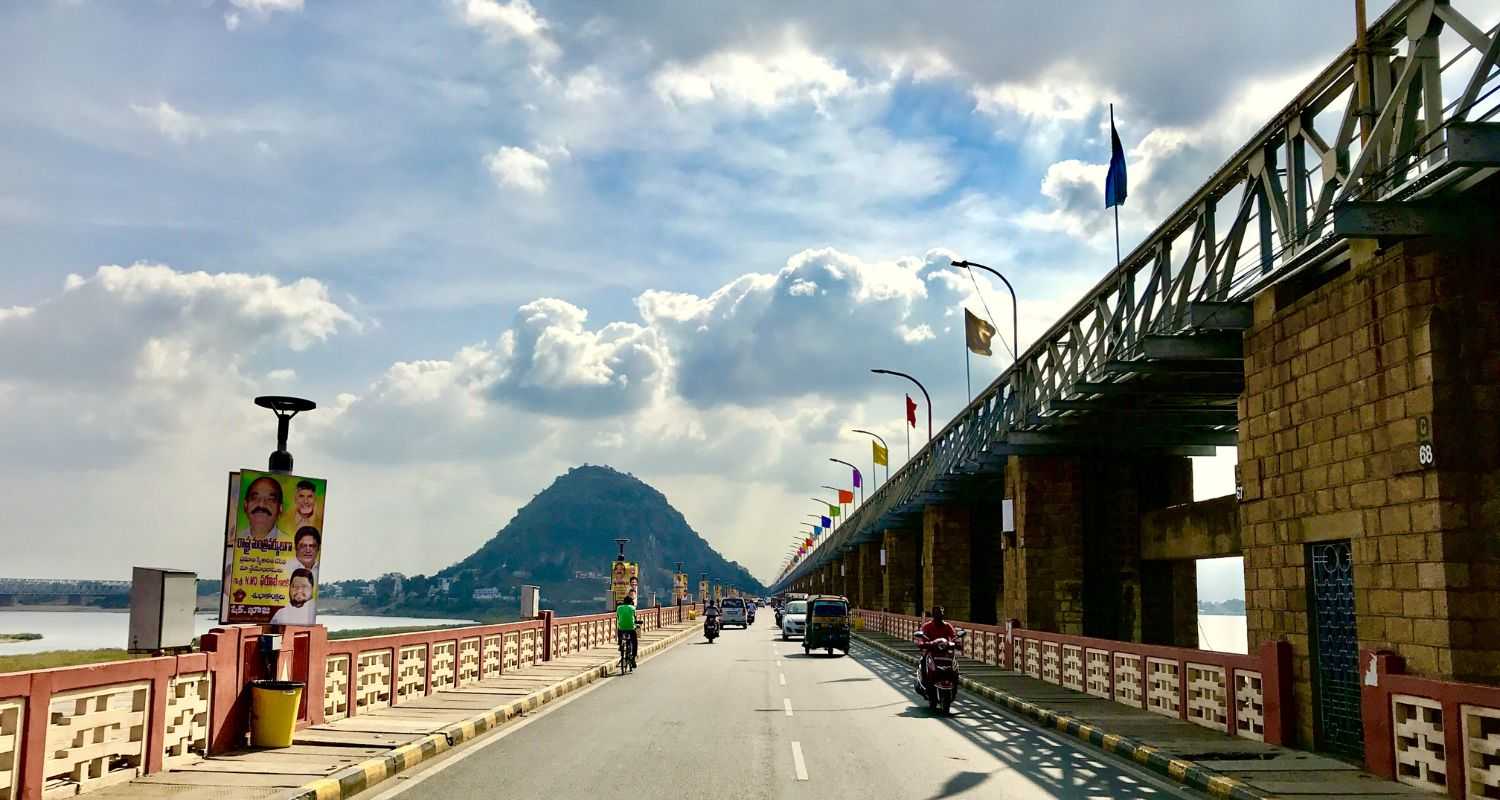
1424, 454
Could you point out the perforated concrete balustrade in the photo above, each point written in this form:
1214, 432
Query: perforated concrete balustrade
12, 723
96, 737
1193, 685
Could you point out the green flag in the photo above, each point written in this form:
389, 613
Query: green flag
833, 511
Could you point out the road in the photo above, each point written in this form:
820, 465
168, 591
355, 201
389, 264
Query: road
753, 717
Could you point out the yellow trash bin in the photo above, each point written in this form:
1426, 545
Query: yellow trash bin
273, 712
859, 623
692, 613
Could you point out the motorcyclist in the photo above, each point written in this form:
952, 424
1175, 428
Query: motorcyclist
933, 629
711, 615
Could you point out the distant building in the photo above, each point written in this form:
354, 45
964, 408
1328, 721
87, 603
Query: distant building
368, 590
487, 593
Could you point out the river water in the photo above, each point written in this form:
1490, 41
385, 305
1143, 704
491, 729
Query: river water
87, 630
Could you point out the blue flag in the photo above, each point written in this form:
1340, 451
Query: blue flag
827, 523
1114, 183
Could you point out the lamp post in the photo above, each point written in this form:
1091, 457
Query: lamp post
284, 408
1015, 325
872, 455
835, 491
824, 504
925, 395
856, 470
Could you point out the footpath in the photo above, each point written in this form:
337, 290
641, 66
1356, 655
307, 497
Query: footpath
342, 758
1221, 765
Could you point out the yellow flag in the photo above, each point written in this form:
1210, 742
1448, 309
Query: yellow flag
881, 455
977, 334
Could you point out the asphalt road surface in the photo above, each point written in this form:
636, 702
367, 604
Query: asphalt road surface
753, 717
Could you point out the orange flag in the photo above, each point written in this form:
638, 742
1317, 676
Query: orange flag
846, 496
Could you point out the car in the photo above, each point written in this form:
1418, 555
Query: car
733, 612
794, 619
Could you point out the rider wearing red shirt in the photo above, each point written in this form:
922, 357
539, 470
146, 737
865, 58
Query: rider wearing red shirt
936, 628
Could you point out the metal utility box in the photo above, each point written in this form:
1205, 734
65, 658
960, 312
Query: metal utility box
162, 603
531, 602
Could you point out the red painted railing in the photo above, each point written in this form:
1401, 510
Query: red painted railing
177, 707
1443, 736
1248, 696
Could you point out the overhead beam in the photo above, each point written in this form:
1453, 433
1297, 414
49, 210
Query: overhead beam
1225, 386
1213, 346
1183, 367
1473, 144
1394, 219
1113, 440
1144, 417
1119, 404
1221, 316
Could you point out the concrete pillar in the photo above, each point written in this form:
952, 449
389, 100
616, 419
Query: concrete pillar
900, 590
1119, 490
1043, 583
946, 572
869, 580
1169, 603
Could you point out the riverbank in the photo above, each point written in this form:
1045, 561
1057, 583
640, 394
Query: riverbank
19, 637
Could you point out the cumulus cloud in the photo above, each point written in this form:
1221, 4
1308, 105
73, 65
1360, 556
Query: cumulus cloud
519, 168
516, 20
552, 362
762, 82
174, 123
259, 9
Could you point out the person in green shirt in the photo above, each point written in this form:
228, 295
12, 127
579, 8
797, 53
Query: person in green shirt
625, 625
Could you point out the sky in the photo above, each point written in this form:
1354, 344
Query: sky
493, 240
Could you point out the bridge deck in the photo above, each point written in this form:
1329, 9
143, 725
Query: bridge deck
1272, 770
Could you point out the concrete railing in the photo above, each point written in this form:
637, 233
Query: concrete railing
1442, 736
75, 729
1247, 696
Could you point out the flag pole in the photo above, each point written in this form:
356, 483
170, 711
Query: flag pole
1117, 205
968, 387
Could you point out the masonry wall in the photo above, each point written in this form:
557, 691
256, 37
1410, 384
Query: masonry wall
946, 564
1043, 582
901, 593
1343, 386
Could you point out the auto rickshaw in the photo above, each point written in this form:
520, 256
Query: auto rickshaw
827, 624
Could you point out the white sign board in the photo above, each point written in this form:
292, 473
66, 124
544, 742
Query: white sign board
1008, 515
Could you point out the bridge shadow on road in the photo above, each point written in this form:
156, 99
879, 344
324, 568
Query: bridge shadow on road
1064, 769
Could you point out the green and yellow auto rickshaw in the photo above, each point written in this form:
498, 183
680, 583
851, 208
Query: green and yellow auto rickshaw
827, 624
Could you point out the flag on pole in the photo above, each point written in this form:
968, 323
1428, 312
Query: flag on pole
977, 334
1114, 181
846, 496
827, 523
833, 511
858, 481
911, 411
880, 456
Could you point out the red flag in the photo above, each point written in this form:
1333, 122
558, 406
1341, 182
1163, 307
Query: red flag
911, 411
846, 496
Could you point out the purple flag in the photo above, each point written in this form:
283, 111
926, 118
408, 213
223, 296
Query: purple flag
857, 483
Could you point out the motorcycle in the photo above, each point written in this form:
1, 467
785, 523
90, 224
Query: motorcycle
711, 628
937, 672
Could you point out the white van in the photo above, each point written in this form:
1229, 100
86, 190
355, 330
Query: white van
733, 613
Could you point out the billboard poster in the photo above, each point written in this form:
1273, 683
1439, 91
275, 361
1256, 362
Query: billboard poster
703, 591
679, 588
273, 546
624, 579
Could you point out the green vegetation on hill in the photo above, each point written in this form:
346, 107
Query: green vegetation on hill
563, 541
19, 637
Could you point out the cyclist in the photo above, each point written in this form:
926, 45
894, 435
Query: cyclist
625, 626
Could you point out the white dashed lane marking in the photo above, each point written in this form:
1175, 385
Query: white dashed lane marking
797, 762
786, 702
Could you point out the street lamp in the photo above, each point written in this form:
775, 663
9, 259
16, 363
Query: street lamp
925, 395
872, 455
856, 470
284, 408
1015, 335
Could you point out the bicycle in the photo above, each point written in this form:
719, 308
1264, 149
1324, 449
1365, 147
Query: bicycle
627, 661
